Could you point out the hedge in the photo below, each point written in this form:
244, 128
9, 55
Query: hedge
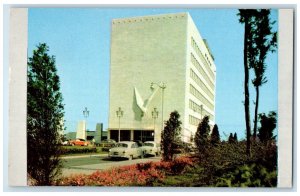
78, 150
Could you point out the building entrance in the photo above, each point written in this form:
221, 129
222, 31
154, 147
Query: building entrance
143, 135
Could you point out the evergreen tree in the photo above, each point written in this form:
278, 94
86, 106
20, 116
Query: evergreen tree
44, 117
235, 137
230, 139
215, 136
268, 124
201, 137
170, 136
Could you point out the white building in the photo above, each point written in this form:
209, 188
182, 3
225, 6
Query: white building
165, 50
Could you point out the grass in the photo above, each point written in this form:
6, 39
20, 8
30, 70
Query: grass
189, 178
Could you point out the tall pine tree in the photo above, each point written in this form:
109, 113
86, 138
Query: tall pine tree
170, 136
246, 17
264, 41
201, 137
215, 136
44, 117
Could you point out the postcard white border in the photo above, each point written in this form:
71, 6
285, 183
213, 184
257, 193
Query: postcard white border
17, 97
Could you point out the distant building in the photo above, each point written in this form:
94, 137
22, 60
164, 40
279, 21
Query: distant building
97, 136
165, 50
81, 130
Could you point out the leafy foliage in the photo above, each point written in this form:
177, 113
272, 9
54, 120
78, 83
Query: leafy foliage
264, 41
268, 124
170, 136
44, 117
235, 137
215, 136
251, 175
231, 138
201, 137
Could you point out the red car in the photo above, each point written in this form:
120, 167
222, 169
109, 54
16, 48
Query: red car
79, 142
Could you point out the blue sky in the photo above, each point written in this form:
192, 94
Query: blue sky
79, 38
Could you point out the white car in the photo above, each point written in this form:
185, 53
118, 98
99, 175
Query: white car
152, 148
128, 150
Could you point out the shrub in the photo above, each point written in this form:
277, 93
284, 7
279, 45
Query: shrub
78, 150
253, 175
170, 135
143, 174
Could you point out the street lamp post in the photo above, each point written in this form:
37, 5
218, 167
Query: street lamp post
119, 115
85, 114
162, 86
154, 116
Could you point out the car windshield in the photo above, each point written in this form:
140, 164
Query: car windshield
122, 145
149, 144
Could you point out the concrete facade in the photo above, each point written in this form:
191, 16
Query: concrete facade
81, 130
161, 49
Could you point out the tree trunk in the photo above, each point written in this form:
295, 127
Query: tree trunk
246, 85
256, 111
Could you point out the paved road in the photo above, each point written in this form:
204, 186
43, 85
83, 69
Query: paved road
89, 164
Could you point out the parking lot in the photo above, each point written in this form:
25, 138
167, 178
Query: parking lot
88, 164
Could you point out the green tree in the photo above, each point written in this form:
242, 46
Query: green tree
235, 137
247, 18
201, 137
170, 136
264, 41
215, 136
230, 139
44, 117
268, 124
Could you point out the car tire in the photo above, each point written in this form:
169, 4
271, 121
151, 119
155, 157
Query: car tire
142, 155
130, 158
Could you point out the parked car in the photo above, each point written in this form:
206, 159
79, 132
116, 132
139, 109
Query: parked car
79, 142
107, 144
65, 143
151, 148
127, 150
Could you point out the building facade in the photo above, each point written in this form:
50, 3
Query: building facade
159, 64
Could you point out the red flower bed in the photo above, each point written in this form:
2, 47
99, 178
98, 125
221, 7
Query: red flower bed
133, 175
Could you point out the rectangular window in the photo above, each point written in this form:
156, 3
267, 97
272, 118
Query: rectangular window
201, 70
199, 96
200, 83
197, 108
205, 61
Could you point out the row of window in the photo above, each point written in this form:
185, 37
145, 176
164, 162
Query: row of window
193, 120
201, 70
196, 78
205, 61
199, 109
208, 60
199, 96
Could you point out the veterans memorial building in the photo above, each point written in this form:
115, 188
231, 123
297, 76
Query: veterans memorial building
159, 64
